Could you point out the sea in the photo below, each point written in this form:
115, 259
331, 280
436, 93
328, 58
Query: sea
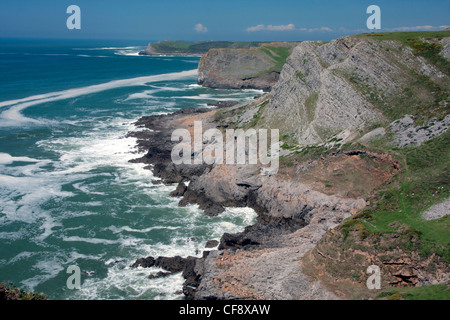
68, 194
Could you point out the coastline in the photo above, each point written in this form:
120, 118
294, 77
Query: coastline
361, 180
283, 234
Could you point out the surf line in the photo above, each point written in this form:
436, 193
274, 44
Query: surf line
13, 115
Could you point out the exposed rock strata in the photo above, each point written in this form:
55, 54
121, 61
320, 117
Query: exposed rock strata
408, 134
291, 218
266, 265
438, 210
345, 84
252, 68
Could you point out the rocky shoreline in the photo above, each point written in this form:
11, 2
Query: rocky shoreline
332, 103
291, 219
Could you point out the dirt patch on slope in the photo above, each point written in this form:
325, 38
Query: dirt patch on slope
351, 174
340, 263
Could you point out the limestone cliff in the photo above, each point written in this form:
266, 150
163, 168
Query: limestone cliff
351, 83
254, 68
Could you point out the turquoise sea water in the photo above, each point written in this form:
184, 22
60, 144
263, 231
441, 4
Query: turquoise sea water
68, 195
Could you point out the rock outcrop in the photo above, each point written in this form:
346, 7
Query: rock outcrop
254, 68
437, 211
264, 262
351, 83
173, 265
407, 134
285, 207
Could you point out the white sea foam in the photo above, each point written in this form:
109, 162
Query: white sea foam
148, 94
111, 48
128, 53
146, 230
119, 48
123, 282
206, 106
24, 189
13, 116
49, 266
30, 192
29, 186
11, 235
47, 269
90, 56
55, 54
87, 188
91, 240
204, 97
6, 158
25, 255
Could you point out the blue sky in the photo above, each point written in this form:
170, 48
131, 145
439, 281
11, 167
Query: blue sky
194, 20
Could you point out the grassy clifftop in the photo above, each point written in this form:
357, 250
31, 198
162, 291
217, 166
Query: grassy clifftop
183, 47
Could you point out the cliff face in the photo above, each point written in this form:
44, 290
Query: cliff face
350, 84
384, 92
254, 68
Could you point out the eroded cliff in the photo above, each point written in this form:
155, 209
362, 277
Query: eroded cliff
254, 68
